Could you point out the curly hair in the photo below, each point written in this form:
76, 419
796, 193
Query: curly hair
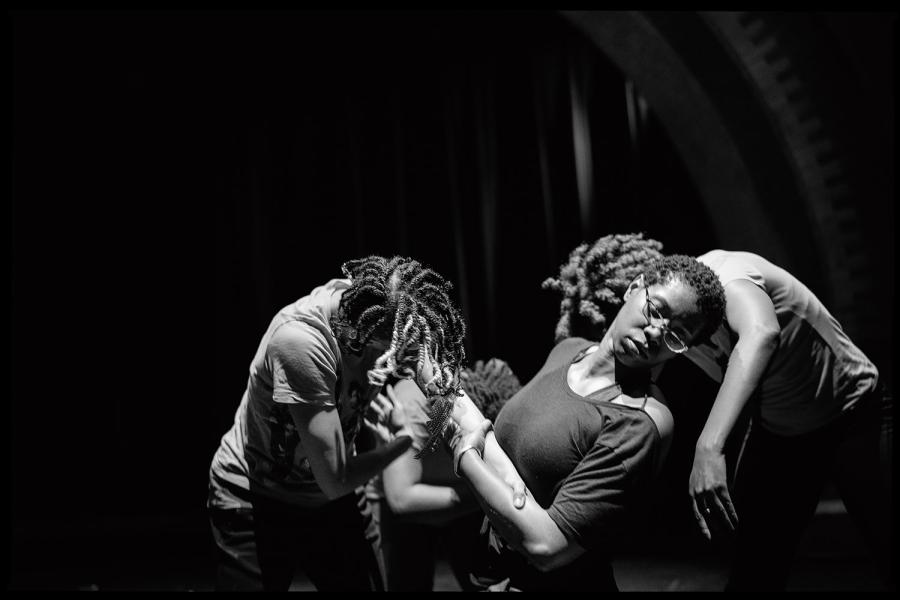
699, 277
400, 299
490, 384
594, 280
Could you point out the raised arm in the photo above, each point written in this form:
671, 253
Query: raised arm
751, 315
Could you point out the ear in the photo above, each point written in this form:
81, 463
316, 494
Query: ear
633, 287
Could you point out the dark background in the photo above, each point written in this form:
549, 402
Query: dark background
179, 177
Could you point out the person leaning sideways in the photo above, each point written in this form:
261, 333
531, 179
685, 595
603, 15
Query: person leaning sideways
818, 412
590, 431
285, 485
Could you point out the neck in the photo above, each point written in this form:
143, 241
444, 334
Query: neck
603, 359
599, 363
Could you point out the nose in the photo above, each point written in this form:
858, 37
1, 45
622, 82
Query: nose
653, 333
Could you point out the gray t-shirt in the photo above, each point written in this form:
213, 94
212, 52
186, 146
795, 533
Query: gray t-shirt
298, 361
815, 374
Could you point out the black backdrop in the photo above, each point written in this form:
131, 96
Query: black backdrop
179, 177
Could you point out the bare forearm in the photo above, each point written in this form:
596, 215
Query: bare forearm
361, 468
497, 458
529, 530
492, 494
746, 366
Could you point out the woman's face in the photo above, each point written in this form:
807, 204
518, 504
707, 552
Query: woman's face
637, 332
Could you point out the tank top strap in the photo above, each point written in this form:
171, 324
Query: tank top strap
606, 394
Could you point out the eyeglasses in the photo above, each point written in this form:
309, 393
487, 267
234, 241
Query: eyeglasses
655, 319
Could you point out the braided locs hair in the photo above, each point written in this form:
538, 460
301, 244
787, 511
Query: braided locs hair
401, 300
594, 280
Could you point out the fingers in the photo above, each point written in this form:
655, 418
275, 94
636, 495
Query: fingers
379, 409
452, 435
380, 431
519, 494
386, 403
700, 515
374, 413
729, 510
717, 509
392, 395
714, 510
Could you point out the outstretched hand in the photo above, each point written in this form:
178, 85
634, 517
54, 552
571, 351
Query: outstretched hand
710, 499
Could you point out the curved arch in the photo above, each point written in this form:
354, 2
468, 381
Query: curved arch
768, 167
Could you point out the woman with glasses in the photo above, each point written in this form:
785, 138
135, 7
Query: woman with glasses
589, 432
818, 412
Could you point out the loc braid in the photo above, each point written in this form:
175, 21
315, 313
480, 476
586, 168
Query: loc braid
400, 299
594, 279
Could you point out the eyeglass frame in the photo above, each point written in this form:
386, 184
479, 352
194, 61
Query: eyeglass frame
658, 318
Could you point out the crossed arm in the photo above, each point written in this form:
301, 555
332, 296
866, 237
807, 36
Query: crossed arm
323, 441
523, 523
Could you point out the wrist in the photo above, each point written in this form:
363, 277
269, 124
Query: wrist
403, 432
474, 441
708, 446
457, 457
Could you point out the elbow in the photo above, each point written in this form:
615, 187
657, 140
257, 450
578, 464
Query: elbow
764, 338
398, 503
544, 558
768, 340
769, 336
402, 499
333, 488
333, 492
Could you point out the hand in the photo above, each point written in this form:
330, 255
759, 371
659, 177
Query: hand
518, 489
386, 417
709, 493
465, 414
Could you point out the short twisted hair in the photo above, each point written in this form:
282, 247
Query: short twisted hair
594, 280
409, 304
696, 275
490, 384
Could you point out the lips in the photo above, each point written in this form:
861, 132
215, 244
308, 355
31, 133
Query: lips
633, 348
